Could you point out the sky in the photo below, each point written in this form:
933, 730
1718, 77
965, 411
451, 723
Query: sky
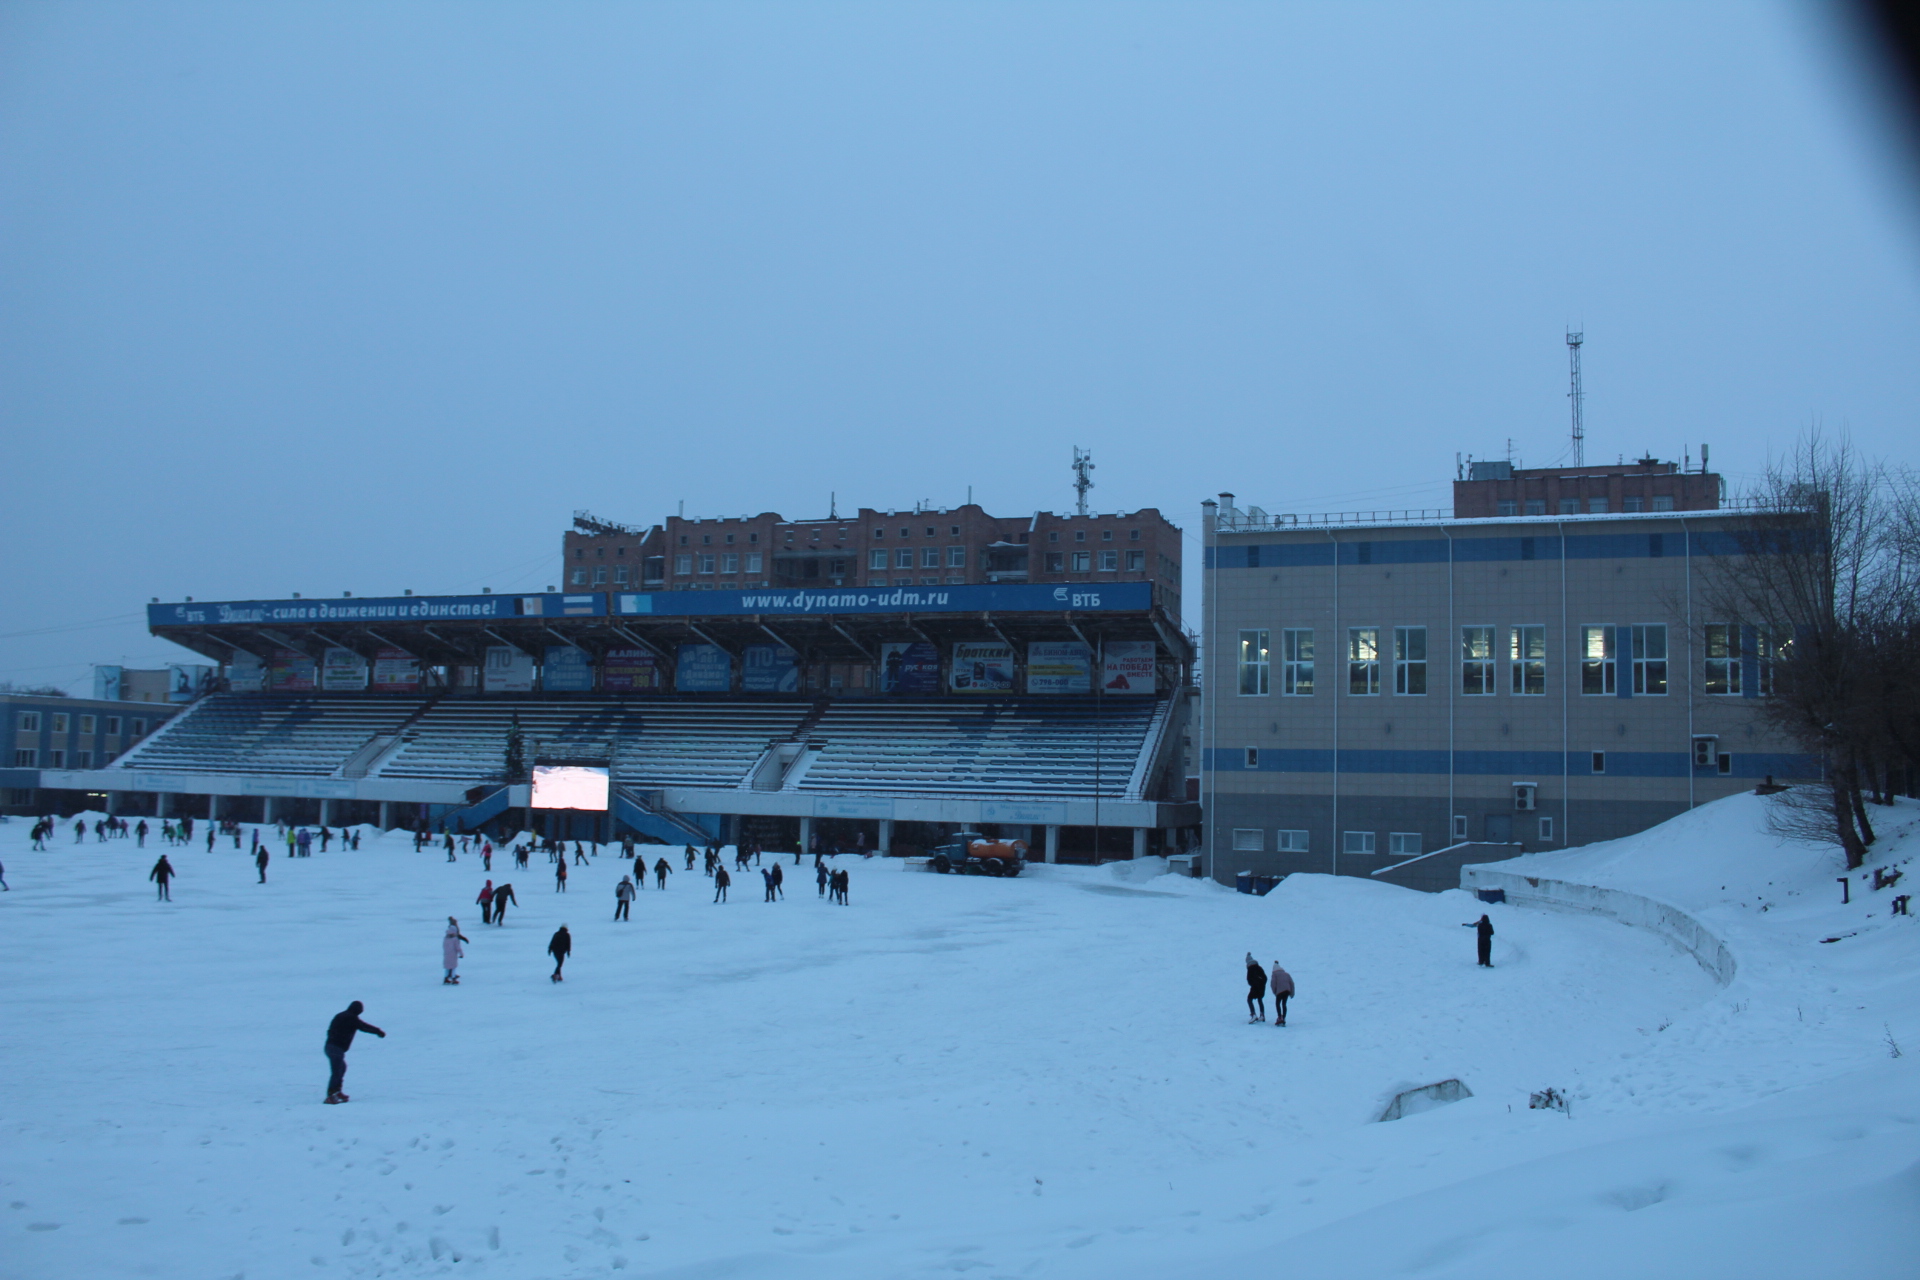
374, 297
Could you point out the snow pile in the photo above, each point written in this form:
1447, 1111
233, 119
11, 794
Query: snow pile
1048, 1076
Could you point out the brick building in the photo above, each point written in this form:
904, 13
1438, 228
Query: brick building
872, 548
1501, 489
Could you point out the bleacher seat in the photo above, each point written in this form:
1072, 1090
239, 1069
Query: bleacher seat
263, 734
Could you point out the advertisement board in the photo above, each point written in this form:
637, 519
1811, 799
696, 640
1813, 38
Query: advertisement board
703, 668
568, 786
1128, 666
342, 670
395, 671
630, 671
246, 674
186, 681
1000, 598
290, 671
981, 668
479, 608
1063, 666
508, 670
106, 683
909, 668
566, 669
769, 668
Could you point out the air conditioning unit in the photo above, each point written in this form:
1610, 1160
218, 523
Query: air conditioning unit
1525, 795
1706, 752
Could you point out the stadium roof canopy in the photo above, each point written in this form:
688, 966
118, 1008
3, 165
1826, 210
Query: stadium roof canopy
839, 624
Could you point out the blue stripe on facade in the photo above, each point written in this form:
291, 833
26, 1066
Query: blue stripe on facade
1592, 546
1519, 766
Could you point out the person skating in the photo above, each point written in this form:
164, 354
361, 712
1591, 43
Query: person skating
4, 886
450, 951
162, 872
560, 873
486, 856
210, 835
820, 876
450, 853
339, 1039
1483, 933
623, 898
839, 885
486, 902
260, 862
1280, 982
660, 873
766, 885
140, 835
560, 947
779, 878
689, 857
501, 897
1256, 990
720, 882
579, 855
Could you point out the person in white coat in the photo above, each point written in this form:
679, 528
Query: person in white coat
1280, 987
451, 951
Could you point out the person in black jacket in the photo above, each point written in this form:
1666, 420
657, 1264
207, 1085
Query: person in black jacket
162, 872
560, 948
720, 882
502, 895
1256, 990
1483, 931
260, 862
339, 1040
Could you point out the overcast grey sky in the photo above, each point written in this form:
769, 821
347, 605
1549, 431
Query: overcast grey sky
337, 297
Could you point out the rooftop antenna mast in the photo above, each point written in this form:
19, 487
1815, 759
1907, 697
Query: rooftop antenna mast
1579, 399
1082, 480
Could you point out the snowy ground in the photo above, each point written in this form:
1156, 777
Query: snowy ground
1047, 1077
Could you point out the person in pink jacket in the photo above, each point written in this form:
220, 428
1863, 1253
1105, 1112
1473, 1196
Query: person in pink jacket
1280, 986
450, 951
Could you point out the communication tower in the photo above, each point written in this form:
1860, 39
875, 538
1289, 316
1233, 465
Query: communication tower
1578, 397
1082, 480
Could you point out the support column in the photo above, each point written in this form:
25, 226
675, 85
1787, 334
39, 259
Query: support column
1053, 844
386, 815
1139, 842
113, 803
806, 835
886, 838
162, 802
266, 810
326, 813
213, 807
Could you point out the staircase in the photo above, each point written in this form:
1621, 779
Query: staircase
656, 820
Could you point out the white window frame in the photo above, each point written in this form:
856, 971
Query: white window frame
1363, 662
903, 558
1296, 677
1598, 668
1527, 654
1249, 840
1255, 662
1109, 561
1405, 844
1546, 828
756, 562
683, 565
1476, 668
1357, 843
26, 758
1287, 840
1721, 643
1083, 562
1648, 670
1409, 670
730, 562
956, 557
29, 722
929, 557
877, 560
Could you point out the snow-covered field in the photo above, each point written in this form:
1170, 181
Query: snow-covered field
1049, 1077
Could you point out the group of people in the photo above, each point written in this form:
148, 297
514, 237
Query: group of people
1280, 983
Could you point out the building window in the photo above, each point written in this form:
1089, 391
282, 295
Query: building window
878, 533
29, 722
1136, 559
837, 567
1632, 504
1599, 762
599, 575
1410, 660
706, 562
1109, 561
1253, 757
578, 578
1650, 660
1536, 506
1476, 661
1723, 658
1459, 826
1764, 652
876, 582
620, 575
683, 565
59, 722
113, 725
1082, 561
56, 759
1663, 502
1508, 507
1254, 665
1596, 506
1290, 841
1296, 656
1080, 535
876, 559
1596, 661
956, 579
83, 759
1569, 506
956, 557
25, 757
1363, 661
906, 533
954, 530
1546, 828
1356, 842
755, 562
1404, 843
86, 724
706, 539
1056, 562
1248, 840
1527, 651
730, 562
1726, 762
139, 728
930, 558
1054, 536
903, 559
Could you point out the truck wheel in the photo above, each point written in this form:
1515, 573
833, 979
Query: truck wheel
941, 864
992, 867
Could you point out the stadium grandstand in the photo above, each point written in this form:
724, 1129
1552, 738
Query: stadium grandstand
852, 718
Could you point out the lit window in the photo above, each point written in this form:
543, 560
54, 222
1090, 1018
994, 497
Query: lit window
1765, 650
1254, 667
1527, 651
1296, 658
1476, 661
1363, 661
1597, 666
1723, 658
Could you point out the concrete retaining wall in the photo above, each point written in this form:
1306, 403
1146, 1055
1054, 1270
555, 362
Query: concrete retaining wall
1663, 918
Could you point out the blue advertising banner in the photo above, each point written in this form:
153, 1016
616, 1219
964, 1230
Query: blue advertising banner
909, 668
565, 669
769, 668
1107, 598
1063, 666
703, 668
383, 609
